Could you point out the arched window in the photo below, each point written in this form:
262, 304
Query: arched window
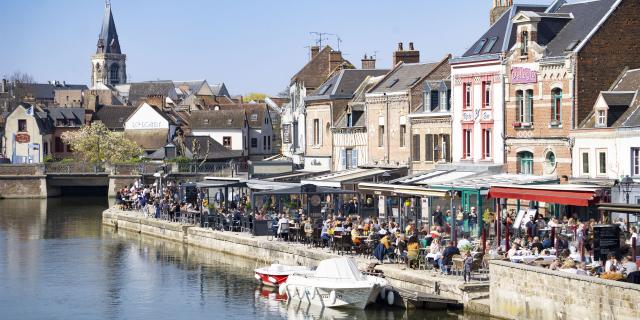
556, 106
550, 159
114, 73
524, 47
525, 162
524, 106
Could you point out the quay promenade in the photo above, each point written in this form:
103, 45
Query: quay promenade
474, 296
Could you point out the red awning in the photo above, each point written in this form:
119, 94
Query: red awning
581, 198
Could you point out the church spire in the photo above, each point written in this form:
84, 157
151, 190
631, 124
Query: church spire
108, 39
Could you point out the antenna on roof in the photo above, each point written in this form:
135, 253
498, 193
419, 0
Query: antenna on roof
338, 39
321, 36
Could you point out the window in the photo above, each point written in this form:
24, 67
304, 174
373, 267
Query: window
486, 93
114, 71
525, 162
446, 142
602, 162
269, 143
226, 142
489, 46
59, 145
415, 152
466, 143
556, 106
435, 99
350, 159
264, 142
428, 147
585, 162
486, 143
380, 136
467, 95
393, 83
479, 46
602, 118
426, 100
254, 142
436, 147
448, 104
316, 132
349, 156
403, 133
550, 159
524, 46
22, 125
635, 161
525, 106
349, 120
45, 148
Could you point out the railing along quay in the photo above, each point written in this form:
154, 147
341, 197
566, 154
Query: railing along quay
74, 168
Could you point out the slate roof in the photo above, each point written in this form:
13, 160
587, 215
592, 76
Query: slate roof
108, 37
623, 101
141, 90
220, 89
586, 15
75, 114
149, 140
357, 104
260, 111
404, 77
343, 84
113, 117
217, 119
503, 31
629, 81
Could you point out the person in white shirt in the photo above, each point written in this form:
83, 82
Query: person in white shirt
628, 265
463, 242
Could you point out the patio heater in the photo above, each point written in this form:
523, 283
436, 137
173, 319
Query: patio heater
626, 185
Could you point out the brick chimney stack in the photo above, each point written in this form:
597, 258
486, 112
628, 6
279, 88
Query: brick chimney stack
406, 56
498, 8
314, 51
368, 62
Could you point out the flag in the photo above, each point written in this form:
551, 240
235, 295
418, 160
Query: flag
30, 111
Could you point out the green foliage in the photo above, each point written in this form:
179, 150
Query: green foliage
95, 143
67, 161
48, 159
254, 96
488, 217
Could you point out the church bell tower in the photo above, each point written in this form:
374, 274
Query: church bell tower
108, 65
498, 8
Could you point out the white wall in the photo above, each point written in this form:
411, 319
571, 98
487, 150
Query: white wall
22, 149
496, 112
218, 134
146, 118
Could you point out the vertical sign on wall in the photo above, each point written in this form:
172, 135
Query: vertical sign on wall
381, 207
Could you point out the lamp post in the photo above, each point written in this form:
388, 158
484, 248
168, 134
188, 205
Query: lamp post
626, 185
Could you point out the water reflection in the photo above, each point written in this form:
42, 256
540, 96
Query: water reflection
58, 262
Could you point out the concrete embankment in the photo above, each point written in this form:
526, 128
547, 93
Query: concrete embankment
263, 250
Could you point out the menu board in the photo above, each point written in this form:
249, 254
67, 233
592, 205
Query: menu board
606, 239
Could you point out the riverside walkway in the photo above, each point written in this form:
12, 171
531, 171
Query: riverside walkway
474, 295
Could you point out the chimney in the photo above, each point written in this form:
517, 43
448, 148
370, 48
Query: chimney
314, 51
498, 8
92, 101
406, 56
368, 62
335, 59
157, 100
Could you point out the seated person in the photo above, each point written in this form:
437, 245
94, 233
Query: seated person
413, 249
447, 255
536, 244
463, 242
612, 274
628, 265
355, 233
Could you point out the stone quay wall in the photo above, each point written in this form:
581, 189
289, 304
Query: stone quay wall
261, 250
22, 181
524, 292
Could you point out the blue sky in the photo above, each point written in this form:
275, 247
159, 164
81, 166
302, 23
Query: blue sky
251, 45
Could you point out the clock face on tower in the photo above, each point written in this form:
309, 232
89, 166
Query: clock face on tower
315, 200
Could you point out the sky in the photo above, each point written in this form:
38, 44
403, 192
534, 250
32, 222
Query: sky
250, 45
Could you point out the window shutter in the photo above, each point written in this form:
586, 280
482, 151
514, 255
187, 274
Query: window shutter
354, 158
416, 147
446, 148
427, 101
320, 131
343, 159
428, 145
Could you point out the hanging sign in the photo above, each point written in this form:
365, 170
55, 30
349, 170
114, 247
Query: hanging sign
23, 138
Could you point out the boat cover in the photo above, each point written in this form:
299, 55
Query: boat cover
339, 269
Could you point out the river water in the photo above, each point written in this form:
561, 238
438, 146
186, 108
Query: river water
58, 262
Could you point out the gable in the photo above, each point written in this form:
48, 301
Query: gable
146, 117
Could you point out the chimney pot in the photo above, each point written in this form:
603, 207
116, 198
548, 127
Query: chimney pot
408, 56
400, 46
410, 45
314, 51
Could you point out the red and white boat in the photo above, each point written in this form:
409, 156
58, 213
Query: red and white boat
277, 274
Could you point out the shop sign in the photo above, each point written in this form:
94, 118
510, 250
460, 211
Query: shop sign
523, 75
23, 138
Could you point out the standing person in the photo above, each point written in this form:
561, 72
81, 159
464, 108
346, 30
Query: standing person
466, 269
438, 218
473, 219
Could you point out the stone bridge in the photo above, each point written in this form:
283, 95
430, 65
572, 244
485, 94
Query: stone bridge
51, 179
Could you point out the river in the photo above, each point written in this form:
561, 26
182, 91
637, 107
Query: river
58, 262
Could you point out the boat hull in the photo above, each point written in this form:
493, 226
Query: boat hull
356, 297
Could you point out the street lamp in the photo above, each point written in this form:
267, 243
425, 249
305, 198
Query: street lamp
626, 184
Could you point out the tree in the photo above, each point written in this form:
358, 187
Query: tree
21, 77
254, 96
95, 142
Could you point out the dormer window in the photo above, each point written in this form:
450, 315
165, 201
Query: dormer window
479, 46
349, 120
524, 46
602, 118
435, 99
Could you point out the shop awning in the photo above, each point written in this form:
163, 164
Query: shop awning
401, 189
620, 207
558, 194
336, 179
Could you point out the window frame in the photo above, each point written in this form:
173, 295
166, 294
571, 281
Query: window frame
525, 162
635, 161
403, 133
584, 153
556, 106
601, 118
467, 143
227, 142
415, 150
22, 125
524, 43
316, 132
486, 143
467, 95
600, 163
487, 89
256, 143
381, 136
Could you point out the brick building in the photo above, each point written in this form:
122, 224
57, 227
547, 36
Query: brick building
390, 102
562, 59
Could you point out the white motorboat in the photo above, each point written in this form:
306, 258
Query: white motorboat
276, 274
336, 283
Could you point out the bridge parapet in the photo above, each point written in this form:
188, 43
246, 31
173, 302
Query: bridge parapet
121, 169
74, 168
21, 169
